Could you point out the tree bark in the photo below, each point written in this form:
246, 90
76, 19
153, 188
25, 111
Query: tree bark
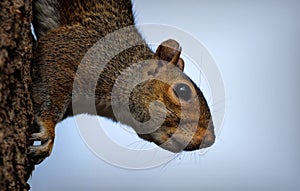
16, 113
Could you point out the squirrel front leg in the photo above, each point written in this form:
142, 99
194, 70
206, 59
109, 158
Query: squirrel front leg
50, 102
47, 118
51, 96
56, 58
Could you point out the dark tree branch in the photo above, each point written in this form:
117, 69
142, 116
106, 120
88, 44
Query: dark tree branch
16, 114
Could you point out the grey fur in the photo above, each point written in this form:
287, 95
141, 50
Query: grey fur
47, 16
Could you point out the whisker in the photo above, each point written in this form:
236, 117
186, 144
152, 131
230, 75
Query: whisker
136, 143
165, 166
195, 157
217, 102
144, 145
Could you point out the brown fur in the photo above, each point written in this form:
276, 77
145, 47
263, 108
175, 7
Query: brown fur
63, 40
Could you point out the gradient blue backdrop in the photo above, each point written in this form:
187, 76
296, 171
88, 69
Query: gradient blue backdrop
256, 47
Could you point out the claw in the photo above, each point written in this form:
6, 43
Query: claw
42, 135
46, 136
35, 136
39, 152
43, 149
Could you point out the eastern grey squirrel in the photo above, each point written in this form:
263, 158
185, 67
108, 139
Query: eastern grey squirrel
66, 30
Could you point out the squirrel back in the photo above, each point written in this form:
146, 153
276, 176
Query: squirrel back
101, 15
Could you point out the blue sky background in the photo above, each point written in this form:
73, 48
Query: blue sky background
256, 47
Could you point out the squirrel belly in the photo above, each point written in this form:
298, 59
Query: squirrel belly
163, 94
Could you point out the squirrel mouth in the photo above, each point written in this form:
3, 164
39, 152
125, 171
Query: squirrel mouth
175, 140
177, 144
206, 141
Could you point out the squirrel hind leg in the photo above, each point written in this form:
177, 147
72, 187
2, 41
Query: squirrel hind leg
46, 136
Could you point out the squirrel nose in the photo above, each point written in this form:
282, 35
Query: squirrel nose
207, 140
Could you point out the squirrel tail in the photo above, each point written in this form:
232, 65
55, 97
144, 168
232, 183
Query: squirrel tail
46, 16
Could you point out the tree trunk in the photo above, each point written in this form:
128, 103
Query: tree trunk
16, 113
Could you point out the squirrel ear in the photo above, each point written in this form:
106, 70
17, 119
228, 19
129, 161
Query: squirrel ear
170, 51
180, 64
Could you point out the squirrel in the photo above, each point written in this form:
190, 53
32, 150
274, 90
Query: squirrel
66, 30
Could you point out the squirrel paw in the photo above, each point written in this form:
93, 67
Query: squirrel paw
39, 152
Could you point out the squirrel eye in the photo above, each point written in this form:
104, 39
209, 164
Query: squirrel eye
183, 91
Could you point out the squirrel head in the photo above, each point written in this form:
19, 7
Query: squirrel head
169, 93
